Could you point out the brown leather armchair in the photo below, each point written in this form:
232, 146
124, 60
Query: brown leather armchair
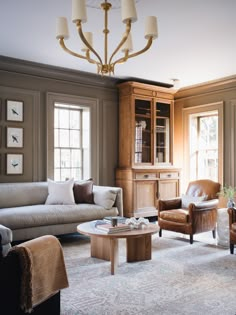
197, 217
232, 228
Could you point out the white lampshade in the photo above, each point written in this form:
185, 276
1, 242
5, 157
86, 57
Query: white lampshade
128, 44
128, 11
62, 28
79, 11
151, 27
89, 37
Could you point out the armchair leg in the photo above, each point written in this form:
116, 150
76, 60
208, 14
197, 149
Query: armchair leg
231, 248
160, 233
214, 233
191, 239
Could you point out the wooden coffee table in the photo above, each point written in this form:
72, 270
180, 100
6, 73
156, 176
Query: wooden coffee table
105, 246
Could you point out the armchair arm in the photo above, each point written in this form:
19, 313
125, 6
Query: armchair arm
232, 215
204, 205
169, 204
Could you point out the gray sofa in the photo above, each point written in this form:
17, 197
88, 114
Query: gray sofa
23, 209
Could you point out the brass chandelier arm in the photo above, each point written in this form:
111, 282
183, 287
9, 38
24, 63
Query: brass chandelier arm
128, 29
80, 31
127, 56
148, 45
63, 46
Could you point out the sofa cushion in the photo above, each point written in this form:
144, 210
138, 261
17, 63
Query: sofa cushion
45, 215
105, 198
23, 194
60, 193
83, 191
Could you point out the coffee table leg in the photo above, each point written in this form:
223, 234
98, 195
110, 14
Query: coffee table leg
106, 249
139, 248
114, 251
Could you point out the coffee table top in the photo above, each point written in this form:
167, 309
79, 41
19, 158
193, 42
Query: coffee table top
88, 228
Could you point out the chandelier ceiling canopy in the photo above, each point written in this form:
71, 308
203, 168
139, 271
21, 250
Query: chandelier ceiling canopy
128, 15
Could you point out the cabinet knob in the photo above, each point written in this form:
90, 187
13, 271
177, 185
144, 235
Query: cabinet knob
145, 176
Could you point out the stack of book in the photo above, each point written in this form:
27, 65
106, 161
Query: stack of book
109, 229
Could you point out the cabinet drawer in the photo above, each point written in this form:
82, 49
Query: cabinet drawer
169, 175
145, 176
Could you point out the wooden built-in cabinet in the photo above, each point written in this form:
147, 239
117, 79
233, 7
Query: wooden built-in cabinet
145, 171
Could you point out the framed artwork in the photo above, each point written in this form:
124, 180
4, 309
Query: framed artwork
14, 164
14, 137
15, 110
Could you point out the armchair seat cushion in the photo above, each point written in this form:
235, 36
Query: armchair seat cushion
175, 215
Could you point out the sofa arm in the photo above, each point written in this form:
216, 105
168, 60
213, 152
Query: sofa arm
100, 191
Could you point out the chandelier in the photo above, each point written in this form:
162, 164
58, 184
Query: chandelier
107, 64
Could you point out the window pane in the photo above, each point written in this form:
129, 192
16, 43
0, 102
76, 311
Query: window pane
65, 158
74, 138
64, 140
74, 119
63, 118
76, 158
56, 138
56, 118
65, 173
76, 173
57, 162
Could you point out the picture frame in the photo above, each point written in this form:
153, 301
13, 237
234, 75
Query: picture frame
14, 164
15, 137
14, 110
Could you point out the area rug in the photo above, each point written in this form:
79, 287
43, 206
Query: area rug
180, 279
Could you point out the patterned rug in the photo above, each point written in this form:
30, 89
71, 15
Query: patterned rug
180, 279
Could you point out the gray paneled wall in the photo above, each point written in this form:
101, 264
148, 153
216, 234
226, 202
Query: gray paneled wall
32, 83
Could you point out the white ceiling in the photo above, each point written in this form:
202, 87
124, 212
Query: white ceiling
196, 43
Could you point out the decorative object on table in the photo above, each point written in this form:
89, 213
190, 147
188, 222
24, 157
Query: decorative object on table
14, 110
14, 137
228, 192
137, 223
14, 164
114, 222
119, 219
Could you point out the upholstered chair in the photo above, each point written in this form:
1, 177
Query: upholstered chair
195, 212
232, 228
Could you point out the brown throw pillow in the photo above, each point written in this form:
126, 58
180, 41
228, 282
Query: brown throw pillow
83, 191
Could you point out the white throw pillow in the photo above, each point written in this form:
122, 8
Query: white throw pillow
60, 193
186, 200
105, 199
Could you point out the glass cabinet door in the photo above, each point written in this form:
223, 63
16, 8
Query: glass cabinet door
162, 133
142, 143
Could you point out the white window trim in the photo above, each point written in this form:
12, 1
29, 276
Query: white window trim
92, 103
187, 112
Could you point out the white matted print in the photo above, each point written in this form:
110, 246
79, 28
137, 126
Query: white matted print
14, 164
15, 110
14, 137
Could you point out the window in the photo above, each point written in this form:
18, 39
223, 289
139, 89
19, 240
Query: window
72, 137
204, 146
203, 143
71, 141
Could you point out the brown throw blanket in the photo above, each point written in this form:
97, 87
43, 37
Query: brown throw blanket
43, 270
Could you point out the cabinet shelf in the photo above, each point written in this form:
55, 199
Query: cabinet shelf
147, 116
